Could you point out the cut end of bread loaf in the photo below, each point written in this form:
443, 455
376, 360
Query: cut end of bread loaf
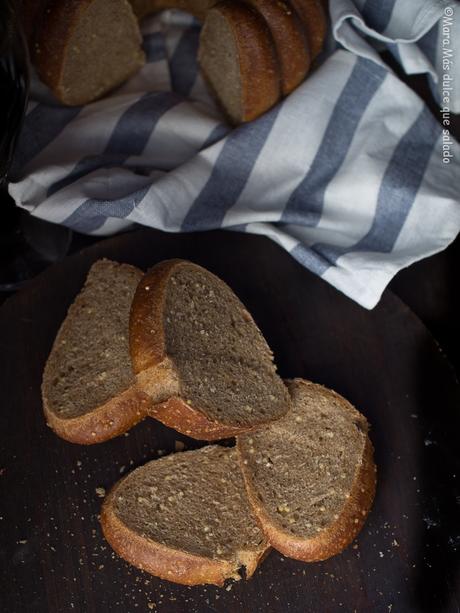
310, 476
185, 518
185, 319
89, 393
87, 48
238, 60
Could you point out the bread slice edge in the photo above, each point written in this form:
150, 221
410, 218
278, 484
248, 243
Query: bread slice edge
107, 421
169, 563
339, 534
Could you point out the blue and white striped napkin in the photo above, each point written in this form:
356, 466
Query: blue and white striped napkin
347, 174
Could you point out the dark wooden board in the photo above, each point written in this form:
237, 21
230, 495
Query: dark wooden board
52, 554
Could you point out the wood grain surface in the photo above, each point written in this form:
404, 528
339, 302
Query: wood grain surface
52, 554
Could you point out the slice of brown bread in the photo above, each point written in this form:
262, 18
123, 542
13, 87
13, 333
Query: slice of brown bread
290, 41
239, 61
198, 353
310, 476
85, 48
313, 16
88, 384
185, 518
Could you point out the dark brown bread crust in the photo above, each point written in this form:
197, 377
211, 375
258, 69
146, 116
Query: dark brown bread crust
313, 16
51, 39
107, 421
147, 342
32, 12
290, 40
179, 415
150, 361
165, 562
52, 42
338, 535
259, 65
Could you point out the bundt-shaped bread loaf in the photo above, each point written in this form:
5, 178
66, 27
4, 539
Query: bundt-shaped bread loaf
252, 52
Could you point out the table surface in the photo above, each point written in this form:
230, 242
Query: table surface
384, 361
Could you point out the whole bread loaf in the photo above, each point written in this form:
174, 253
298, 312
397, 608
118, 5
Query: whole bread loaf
185, 518
310, 476
251, 52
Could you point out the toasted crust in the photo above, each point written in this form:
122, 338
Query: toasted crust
290, 40
52, 46
155, 371
259, 65
338, 535
313, 17
103, 423
165, 562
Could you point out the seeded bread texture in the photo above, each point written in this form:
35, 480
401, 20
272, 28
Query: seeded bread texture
85, 48
185, 518
310, 476
238, 60
187, 321
88, 383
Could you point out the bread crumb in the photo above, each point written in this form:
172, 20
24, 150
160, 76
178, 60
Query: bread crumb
100, 491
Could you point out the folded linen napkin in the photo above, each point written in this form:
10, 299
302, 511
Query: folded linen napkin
347, 174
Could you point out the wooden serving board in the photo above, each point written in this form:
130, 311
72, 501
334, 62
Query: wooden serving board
52, 552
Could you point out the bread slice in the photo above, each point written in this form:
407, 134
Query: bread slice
85, 48
310, 476
290, 41
313, 16
238, 60
199, 355
185, 518
88, 387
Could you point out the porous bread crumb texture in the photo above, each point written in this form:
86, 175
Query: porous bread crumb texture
225, 366
194, 502
109, 32
303, 466
219, 60
89, 363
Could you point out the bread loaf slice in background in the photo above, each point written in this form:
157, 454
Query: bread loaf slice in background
191, 338
239, 61
185, 518
310, 476
88, 387
85, 48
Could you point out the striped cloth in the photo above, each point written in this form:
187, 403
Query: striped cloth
346, 174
